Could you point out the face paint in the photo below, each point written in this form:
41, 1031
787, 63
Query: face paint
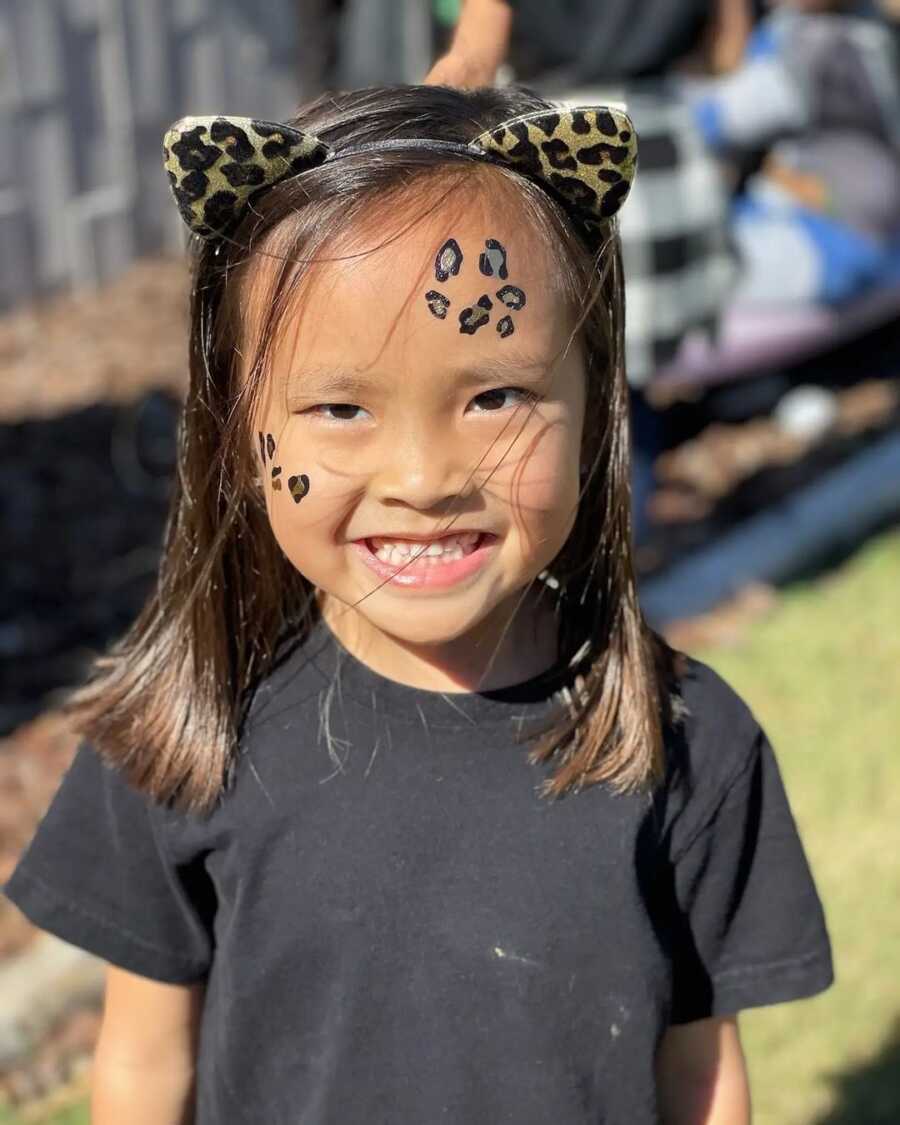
448, 261
492, 262
511, 296
270, 445
276, 483
438, 303
475, 316
262, 447
298, 487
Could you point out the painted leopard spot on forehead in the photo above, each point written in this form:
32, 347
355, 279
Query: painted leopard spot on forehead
492, 261
512, 296
474, 317
437, 303
448, 261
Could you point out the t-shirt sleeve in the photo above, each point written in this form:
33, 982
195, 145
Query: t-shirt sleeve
750, 927
97, 874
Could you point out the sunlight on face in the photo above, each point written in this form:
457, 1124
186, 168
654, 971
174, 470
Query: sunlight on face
422, 389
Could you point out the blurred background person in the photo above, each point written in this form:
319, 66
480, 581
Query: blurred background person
318, 46
817, 94
384, 41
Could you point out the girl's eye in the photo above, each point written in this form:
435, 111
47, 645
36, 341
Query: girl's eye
493, 401
499, 399
343, 411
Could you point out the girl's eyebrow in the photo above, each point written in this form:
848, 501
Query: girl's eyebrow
330, 380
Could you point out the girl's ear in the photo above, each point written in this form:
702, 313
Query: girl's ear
586, 155
215, 165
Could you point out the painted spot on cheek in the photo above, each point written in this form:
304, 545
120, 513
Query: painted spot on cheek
298, 487
270, 445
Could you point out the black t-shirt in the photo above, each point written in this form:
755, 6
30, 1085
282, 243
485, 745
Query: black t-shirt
395, 927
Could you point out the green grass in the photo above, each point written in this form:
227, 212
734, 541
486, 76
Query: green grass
822, 675
75, 1115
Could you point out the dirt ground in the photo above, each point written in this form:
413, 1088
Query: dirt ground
103, 346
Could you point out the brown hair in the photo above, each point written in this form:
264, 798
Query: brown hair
167, 702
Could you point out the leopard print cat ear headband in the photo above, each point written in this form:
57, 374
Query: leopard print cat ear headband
585, 157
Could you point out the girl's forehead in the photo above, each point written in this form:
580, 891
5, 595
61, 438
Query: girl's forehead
463, 281
387, 241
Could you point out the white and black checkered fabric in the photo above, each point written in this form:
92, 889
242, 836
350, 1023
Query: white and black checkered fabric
679, 262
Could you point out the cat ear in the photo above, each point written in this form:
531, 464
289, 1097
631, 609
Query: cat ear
587, 155
215, 164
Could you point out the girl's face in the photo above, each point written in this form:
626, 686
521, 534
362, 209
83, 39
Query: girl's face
399, 418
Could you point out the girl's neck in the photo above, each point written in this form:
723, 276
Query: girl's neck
510, 647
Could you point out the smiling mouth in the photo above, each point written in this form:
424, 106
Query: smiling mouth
438, 550
431, 564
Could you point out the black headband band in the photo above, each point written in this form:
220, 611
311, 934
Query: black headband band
399, 143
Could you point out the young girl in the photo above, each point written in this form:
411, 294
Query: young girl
390, 806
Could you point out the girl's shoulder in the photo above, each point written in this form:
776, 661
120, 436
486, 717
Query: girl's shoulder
715, 739
706, 704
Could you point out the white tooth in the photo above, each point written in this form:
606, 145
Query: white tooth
465, 539
399, 552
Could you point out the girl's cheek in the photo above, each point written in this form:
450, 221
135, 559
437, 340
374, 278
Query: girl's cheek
305, 518
544, 479
291, 481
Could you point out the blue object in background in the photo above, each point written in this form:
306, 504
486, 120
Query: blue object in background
838, 510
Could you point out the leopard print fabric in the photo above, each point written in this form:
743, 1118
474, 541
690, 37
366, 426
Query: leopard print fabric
215, 164
588, 156
585, 156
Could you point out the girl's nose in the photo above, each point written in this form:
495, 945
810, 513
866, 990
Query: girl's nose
421, 470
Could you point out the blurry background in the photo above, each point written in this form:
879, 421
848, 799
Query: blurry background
762, 251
